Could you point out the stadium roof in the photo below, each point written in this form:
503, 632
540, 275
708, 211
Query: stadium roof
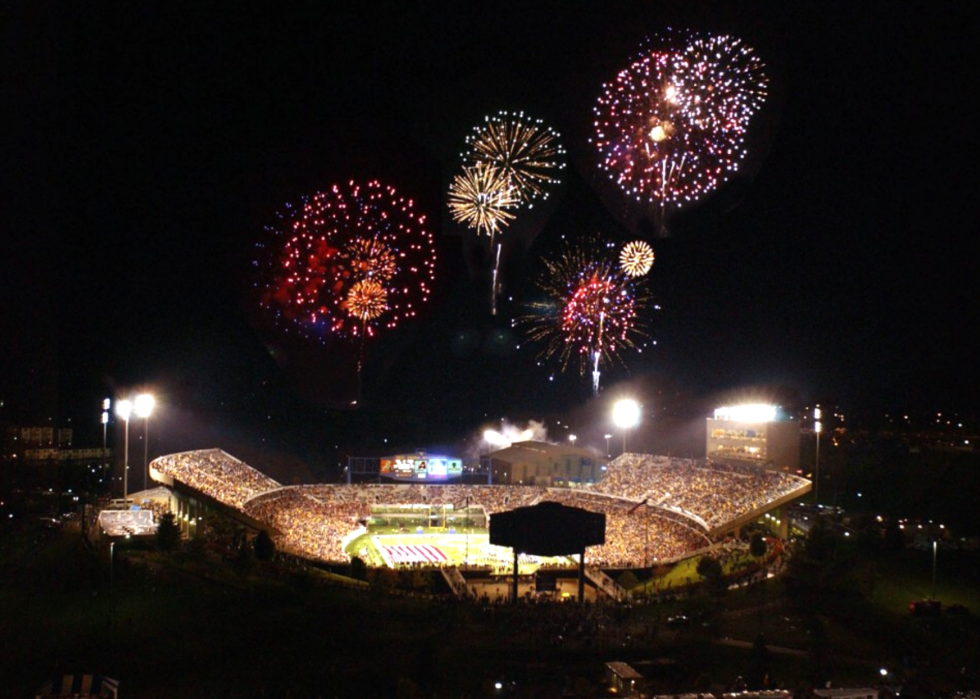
535, 450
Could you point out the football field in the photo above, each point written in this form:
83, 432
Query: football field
440, 547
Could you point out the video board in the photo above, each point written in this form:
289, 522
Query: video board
421, 468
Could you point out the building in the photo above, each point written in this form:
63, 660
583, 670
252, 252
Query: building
623, 680
846, 693
753, 434
540, 463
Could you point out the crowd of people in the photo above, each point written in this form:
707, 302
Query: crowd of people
634, 535
658, 509
709, 493
216, 474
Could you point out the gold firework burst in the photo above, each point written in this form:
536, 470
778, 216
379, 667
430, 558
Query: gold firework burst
370, 258
367, 300
636, 258
482, 198
528, 152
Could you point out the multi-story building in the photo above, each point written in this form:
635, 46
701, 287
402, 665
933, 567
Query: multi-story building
754, 434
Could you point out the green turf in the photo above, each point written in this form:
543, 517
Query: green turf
458, 547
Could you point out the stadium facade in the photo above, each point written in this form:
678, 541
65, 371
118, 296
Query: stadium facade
549, 465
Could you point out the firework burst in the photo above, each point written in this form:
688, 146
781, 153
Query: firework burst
592, 311
367, 300
482, 198
720, 83
671, 126
347, 262
636, 258
528, 153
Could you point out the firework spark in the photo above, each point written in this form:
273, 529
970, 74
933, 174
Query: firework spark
367, 300
482, 198
592, 312
720, 83
371, 258
636, 258
671, 126
347, 262
528, 153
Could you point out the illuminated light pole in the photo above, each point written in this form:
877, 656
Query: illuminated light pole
933, 569
124, 410
572, 438
608, 437
626, 414
143, 406
106, 404
817, 427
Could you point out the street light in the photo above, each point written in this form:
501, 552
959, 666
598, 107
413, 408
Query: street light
143, 406
572, 438
608, 437
933, 569
626, 414
124, 409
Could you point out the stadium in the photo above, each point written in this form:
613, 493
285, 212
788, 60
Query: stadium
658, 510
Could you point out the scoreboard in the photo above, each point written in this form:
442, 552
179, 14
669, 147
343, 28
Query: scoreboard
420, 467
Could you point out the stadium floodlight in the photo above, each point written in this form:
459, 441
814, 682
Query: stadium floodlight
124, 410
143, 406
626, 414
749, 412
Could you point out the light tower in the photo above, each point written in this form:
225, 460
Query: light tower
817, 427
626, 414
124, 410
143, 406
106, 404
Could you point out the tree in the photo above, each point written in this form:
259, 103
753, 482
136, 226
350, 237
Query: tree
711, 572
244, 561
265, 549
757, 676
358, 570
168, 533
627, 580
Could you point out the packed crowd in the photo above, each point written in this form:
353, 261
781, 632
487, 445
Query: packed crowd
217, 474
657, 508
317, 520
634, 535
709, 493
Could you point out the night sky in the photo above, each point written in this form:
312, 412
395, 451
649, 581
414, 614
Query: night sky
148, 145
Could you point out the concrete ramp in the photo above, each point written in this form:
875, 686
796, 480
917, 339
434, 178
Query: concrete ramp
456, 581
603, 582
